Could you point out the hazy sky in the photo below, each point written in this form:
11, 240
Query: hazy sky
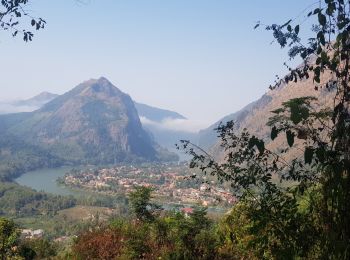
201, 58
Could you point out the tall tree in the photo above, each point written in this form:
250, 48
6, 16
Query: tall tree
141, 206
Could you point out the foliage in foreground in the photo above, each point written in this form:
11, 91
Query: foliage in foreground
306, 213
246, 232
11, 14
160, 235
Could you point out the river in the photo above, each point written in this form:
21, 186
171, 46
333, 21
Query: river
45, 180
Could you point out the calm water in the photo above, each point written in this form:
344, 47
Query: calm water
45, 180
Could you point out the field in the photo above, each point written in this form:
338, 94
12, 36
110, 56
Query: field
86, 213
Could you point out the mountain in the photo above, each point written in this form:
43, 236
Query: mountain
208, 137
156, 114
168, 138
152, 118
17, 156
26, 105
94, 123
255, 115
166, 127
36, 101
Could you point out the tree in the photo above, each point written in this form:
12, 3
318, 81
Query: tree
11, 12
99, 244
141, 206
281, 227
38, 248
9, 235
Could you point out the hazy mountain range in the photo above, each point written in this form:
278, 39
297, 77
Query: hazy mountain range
26, 105
165, 127
36, 101
156, 114
94, 122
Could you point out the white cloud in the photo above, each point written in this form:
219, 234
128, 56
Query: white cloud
184, 125
9, 108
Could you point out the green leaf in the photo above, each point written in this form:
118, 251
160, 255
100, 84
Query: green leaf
324, 57
253, 141
308, 154
330, 9
317, 10
298, 111
317, 72
261, 146
290, 138
321, 38
274, 133
322, 19
320, 153
296, 29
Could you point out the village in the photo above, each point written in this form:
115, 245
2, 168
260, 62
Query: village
171, 183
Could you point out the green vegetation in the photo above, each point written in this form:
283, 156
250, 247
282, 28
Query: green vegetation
37, 249
294, 203
9, 235
17, 157
19, 201
13, 247
171, 235
308, 219
141, 206
102, 129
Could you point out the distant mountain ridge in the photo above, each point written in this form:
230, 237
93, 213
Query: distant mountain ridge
153, 120
156, 114
208, 137
148, 114
36, 101
94, 122
255, 116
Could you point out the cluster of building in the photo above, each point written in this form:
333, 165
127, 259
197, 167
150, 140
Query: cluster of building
171, 183
39, 233
30, 233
